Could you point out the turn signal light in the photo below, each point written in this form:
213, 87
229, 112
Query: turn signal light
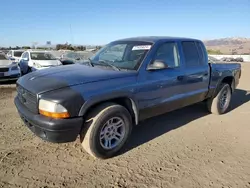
55, 115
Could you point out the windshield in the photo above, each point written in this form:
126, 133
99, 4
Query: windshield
18, 53
2, 57
123, 54
42, 56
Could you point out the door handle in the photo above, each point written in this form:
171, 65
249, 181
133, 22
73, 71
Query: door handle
180, 78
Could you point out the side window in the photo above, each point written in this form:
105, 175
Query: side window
201, 53
168, 52
23, 55
27, 55
9, 53
191, 54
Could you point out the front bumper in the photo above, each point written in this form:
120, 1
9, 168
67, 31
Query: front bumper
8, 77
49, 129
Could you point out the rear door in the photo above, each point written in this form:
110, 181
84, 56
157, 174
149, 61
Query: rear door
197, 71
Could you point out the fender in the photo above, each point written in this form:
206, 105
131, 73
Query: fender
223, 76
112, 96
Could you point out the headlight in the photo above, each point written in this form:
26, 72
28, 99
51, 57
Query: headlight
37, 65
51, 109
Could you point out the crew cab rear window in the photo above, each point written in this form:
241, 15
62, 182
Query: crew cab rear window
201, 51
191, 54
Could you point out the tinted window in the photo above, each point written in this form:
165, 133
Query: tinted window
201, 52
42, 56
191, 54
18, 53
168, 52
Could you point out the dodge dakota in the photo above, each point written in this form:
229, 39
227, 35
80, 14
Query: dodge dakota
125, 82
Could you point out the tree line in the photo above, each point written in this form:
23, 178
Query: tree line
58, 47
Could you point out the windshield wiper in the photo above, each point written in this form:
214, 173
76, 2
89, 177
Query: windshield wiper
109, 64
90, 62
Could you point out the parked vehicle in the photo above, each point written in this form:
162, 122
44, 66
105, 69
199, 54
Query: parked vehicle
223, 59
14, 55
37, 60
212, 59
8, 70
230, 59
239, 59
124, 83
71, 58
227, 59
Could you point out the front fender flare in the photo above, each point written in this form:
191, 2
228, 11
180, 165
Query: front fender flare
97, 100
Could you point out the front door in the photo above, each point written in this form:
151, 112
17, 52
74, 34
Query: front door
161, 91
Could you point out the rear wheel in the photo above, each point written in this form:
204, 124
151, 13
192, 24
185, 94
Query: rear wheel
221, 102
106, 130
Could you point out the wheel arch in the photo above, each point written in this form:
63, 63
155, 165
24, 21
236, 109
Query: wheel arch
230, 81
129, 103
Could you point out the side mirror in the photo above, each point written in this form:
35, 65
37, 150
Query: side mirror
157, 65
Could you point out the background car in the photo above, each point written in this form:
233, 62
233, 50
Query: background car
68, 58
212, 59
71, 58
239, 59
15, 55
8, 70
36, 60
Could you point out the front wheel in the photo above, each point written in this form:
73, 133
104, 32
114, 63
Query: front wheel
221, 102
106, 130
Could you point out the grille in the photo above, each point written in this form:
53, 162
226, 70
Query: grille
4, 69
27, 98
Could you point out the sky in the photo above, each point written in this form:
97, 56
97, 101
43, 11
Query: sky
98, 22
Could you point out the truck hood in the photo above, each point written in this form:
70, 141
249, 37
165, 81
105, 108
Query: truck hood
64, 76
46, 63
5, 63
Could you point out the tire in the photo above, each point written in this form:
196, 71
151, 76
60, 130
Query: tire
97, 123
215, 105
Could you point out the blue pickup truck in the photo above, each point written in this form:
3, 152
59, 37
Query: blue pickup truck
126, 81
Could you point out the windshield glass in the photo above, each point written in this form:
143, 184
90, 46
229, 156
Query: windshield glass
18, 53
123, 54
2, 57
42, 56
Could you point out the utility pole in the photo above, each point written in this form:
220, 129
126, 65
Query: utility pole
71, 35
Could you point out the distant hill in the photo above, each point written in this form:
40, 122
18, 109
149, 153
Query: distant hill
233, 45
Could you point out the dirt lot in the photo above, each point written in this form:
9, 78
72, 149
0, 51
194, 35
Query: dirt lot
185, 148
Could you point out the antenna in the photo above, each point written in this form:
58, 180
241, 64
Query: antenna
71, 35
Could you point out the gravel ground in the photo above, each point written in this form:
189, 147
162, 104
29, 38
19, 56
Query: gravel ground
185, 148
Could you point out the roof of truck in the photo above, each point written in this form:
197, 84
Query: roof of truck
154, 39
